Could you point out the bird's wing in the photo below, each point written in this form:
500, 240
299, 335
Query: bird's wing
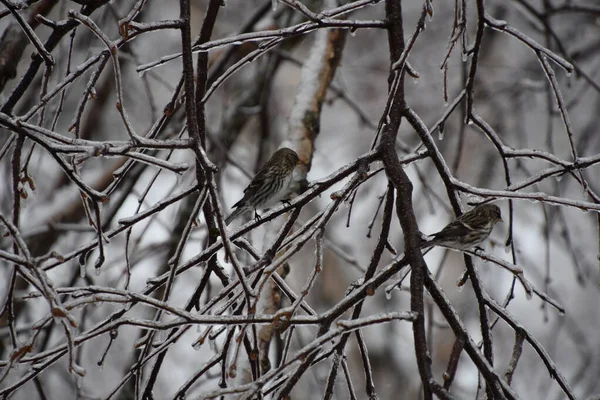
254, 184
470, 219
454, 229
257, 181
239, 203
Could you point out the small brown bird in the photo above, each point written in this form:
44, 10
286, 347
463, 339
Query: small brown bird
468, 230
269, 186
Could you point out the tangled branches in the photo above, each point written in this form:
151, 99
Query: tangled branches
263, 304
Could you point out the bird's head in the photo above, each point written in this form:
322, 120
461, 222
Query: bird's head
286, 157
492, 212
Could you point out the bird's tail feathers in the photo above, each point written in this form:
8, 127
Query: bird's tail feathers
236, 213
426, 241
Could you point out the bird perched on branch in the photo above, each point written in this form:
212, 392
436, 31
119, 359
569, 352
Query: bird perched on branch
468, 230
269, 186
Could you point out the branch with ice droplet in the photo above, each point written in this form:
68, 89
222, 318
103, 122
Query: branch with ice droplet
326, 20
532, 196
46, 288
113, 48
543, 354
85, 149
503, 26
